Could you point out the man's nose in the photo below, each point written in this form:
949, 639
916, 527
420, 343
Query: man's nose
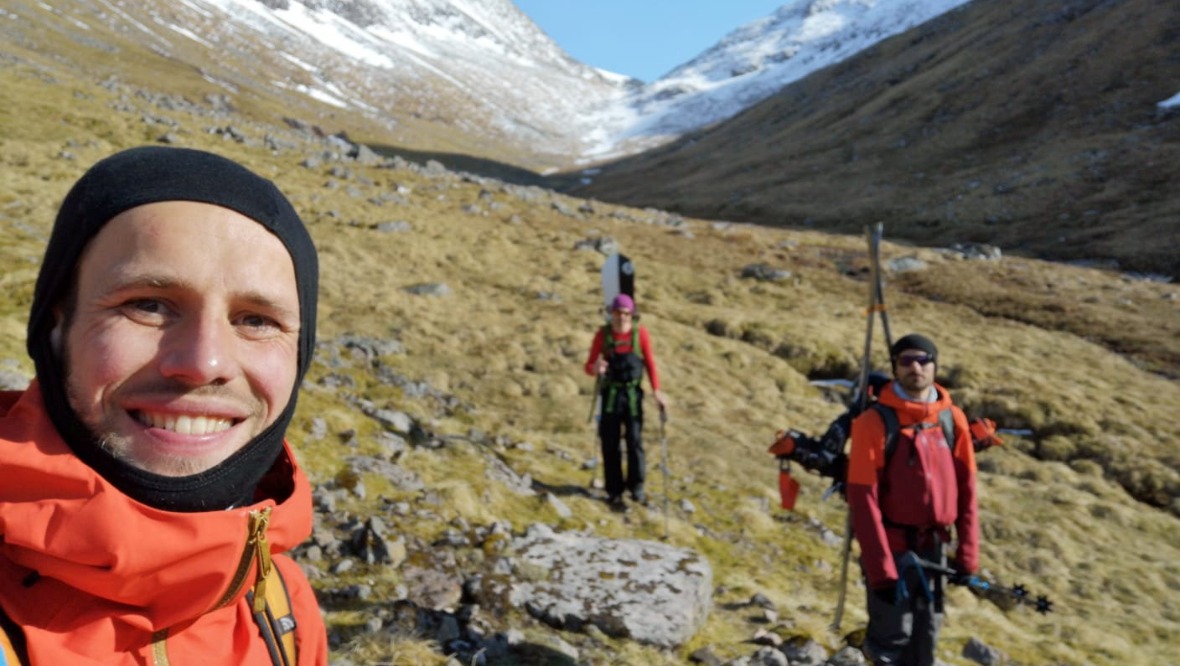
200, 351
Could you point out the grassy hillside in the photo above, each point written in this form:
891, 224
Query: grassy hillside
1032, 125
1086, 510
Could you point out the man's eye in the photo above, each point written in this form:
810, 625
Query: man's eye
258, 321
146, 305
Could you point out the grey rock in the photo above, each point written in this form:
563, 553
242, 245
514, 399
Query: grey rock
653, 593
437, 289
981, 653
764, 273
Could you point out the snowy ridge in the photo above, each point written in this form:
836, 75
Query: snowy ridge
755, 61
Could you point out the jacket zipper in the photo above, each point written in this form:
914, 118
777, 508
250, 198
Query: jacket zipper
257, 549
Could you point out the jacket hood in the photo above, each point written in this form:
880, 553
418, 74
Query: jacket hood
125, 180
67, 531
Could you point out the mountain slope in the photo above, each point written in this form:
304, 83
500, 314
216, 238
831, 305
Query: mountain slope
1035, 126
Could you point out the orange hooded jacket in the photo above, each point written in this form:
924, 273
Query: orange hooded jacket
93, 577
866, 471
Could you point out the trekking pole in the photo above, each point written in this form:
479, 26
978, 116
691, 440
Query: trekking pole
1043, 605
664, 464
593, 462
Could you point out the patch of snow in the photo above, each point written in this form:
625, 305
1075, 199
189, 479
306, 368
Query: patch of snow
190, 34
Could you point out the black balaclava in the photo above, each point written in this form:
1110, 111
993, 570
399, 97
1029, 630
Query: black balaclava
118, 183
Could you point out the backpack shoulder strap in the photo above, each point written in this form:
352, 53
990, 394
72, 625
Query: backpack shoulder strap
12, 643
276, 621
946, 419
892, 426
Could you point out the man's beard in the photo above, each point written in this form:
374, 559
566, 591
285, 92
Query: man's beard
119, 447
915, 385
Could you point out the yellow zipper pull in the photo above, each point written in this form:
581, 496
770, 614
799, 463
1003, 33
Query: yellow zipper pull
259, 521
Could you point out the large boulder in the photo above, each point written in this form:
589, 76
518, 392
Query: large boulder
646, 591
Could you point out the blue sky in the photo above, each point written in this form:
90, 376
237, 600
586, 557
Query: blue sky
641, 38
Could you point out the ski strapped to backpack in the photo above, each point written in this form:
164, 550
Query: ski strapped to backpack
275, 619
875, 309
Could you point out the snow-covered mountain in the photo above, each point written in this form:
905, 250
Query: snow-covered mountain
480, 65
479, 68
753, 62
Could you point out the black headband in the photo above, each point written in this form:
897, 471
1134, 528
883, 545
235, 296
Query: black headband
118, 183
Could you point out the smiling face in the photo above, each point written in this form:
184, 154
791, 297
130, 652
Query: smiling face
182, 340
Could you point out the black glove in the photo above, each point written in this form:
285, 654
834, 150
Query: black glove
958, 576
886, 594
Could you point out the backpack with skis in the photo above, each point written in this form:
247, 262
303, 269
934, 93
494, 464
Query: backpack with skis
618, 277
826, 455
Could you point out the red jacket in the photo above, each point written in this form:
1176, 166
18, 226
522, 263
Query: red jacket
945, 496
623, 346
96, 578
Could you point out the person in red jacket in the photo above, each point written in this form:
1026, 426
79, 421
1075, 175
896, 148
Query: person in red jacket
906, 497
619, 355
147, 488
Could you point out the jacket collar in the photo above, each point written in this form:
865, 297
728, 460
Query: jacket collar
82, 537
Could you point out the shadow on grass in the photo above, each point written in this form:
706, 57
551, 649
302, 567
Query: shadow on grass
466, 163
569, 489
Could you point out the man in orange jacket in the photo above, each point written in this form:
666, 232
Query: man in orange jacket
905, 496
147, 488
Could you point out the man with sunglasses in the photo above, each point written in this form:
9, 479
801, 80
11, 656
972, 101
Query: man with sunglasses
911, 483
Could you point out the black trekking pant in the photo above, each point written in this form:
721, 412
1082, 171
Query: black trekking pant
905, 633
628, 422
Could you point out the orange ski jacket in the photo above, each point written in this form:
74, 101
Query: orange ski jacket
93, 577
919, 492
